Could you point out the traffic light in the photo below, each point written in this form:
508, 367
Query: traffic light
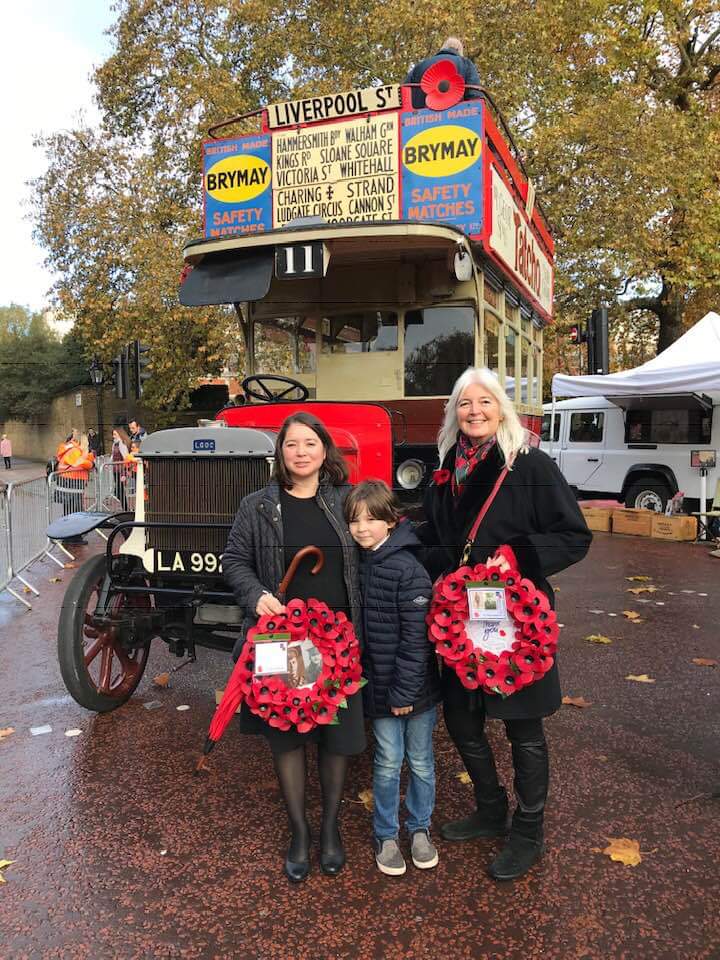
120, 374
140, 361
598, 350
578, 334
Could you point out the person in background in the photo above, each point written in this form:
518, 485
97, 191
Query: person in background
136, 431
93, 442
535, 525
400, 666
6, 451
451, 50
130, 474
74, 466
120, 451
301, 505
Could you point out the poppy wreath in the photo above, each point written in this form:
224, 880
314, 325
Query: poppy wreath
305, 707
530, 652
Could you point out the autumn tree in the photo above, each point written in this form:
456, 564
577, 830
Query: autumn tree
613, 106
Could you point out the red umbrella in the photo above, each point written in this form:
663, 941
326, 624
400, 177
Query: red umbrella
232, 694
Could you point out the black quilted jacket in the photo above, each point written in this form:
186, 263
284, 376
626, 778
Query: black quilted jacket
399, 662
253, 561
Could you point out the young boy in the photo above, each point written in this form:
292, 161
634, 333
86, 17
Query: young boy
403, 686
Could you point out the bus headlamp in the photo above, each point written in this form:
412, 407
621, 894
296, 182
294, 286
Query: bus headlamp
410, 474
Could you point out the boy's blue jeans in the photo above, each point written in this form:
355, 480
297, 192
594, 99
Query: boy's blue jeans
396, 738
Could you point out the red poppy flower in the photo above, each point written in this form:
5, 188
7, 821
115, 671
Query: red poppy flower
185, 273
440, 477
527, 661
506, 680
333, 694
487, 673
438, 634
443, 616
452, 587
470, 678
442, 85
305, 726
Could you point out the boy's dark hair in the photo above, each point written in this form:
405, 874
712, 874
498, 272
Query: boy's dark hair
333, 471
381, 502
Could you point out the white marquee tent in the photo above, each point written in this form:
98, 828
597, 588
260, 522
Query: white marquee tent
690, 365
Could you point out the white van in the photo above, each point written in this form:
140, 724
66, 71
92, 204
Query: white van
638, 454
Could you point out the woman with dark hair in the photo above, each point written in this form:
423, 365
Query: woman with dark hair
302, 505
534, 521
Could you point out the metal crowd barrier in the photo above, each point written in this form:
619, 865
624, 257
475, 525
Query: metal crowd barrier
116, 486
25, 519
5, 562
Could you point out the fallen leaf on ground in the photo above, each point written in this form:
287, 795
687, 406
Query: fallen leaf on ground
366, 799
696, 626
623, 850
576, 702
3, 864
597, 638
640, 678
700, 661
6, 731
27, 590
639, 579
463, 777
55, 580
637, 590
633, 616
161, 680
70, 566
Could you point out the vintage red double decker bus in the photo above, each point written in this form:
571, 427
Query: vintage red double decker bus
389, 248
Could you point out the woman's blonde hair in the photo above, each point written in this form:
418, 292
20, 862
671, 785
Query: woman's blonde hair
510, 435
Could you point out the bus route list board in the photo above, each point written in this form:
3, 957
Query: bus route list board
423, 165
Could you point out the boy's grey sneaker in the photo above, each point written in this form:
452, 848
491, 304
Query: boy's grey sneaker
423, 850
388, 858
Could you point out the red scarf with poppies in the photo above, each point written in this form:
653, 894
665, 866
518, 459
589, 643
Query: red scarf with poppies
467, 457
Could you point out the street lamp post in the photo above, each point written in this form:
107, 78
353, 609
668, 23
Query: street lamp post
97, 376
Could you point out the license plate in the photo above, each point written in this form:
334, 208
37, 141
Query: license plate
187, 562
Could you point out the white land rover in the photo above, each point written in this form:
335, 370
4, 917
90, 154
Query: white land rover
639, 453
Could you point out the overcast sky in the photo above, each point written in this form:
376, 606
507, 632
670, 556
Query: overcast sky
47, 51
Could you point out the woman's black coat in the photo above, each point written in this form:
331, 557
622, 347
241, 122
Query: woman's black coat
535, 512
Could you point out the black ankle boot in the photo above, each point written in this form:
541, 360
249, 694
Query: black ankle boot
332, 855
516, 857
297, 861
489, 820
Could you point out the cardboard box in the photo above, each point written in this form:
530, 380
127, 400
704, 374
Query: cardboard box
598, 518
635, 523
674, 528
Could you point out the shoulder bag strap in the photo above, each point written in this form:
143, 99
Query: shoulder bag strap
481, 516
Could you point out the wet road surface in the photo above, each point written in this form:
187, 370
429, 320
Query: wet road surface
122, 853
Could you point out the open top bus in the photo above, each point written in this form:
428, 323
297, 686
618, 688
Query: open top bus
389, 248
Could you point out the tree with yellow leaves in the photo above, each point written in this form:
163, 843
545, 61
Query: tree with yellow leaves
614, 106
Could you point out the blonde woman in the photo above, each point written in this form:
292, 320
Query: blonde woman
535, 514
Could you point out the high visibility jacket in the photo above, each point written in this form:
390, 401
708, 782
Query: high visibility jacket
74, 463
132, 461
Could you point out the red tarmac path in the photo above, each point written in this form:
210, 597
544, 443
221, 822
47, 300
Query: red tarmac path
121, 853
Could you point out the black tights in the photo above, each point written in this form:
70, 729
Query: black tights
291, 769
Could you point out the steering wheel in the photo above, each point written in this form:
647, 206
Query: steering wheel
261, 388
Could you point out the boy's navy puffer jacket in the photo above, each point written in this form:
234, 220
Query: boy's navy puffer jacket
399, 662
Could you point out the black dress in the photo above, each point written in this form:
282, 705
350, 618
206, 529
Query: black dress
305, 523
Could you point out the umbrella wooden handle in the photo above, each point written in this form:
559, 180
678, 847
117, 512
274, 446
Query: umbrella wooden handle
295, 562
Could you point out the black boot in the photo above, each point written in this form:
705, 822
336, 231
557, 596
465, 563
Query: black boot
525, 845
490, 817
